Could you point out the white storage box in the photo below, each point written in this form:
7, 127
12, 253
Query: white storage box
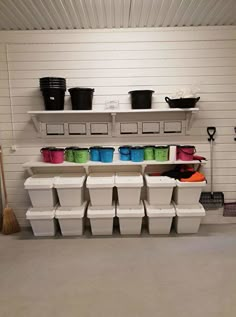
41, 191
130, 219
100, 187
42, 221
159, 189
70, 189
129, 186
188, 218
71, 220
101, 220
159, 219
188, 193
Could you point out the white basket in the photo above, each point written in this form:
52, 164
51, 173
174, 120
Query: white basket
71, 220
42, 221
70, 189
188, 219
130, 219
41, 191
129, 186
187, 193
159, 190
101, 220
100, 187
159, 219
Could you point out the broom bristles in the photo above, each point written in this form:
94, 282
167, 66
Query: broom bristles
10, 224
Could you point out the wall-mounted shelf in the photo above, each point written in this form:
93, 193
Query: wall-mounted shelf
42, 119
116, 162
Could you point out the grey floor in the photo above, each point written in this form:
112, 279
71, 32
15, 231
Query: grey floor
120, 277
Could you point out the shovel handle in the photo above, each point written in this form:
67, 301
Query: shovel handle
211, 132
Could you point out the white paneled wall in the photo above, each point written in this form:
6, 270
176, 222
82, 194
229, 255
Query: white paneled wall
114, 62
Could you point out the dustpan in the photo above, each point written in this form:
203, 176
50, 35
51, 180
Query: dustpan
212, 200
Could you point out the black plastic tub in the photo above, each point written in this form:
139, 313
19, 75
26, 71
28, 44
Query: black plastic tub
141, 99
53, 99
81, 98
183, 103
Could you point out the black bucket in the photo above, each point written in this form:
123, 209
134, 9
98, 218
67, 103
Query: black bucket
53, 99
141, 99
81, 98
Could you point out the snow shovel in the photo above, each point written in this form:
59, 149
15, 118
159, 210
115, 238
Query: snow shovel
212, 200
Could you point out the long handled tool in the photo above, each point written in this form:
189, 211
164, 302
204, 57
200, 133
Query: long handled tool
10, 224
212, 200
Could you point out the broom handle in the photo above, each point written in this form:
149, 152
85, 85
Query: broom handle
3, 178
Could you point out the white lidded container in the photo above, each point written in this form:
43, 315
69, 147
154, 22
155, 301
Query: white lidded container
188, 193
101, 219
42, 221
70, 189
159, 189
188, 218
159, 218
129, 186
130, 219
100, 187
71, 220
41, 190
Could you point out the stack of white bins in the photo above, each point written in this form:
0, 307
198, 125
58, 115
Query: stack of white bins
101, 210
44, 199
130, 209
70, 213
189, 211
160, 211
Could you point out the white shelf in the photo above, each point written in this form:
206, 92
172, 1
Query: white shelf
33, 164
71, 115
63, 112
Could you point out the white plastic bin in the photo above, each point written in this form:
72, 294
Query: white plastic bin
130, 219
100, 187
41, 191
101, 220
129, 186
159, 219
71, 220
42, 221
188, 218
159, 189
188, 193
70, 189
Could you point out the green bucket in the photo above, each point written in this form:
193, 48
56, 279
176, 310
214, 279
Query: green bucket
81, 155
149, 153
69, 154
161, 153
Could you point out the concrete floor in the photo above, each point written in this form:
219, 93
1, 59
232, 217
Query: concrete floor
120, 277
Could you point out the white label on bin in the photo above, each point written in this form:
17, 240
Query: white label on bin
52, 98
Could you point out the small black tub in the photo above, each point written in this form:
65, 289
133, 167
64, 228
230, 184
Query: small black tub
81, 98
141, 99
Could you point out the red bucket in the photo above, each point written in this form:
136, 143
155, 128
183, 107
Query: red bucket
185, 152
45, 151
57, 156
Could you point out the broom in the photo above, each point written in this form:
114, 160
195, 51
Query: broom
10, 224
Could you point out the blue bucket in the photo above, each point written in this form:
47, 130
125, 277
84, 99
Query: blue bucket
137, 154
95, 153
106, 154
124, 153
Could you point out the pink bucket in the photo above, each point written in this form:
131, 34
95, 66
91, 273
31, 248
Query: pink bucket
57, 156
185, 152
46, 154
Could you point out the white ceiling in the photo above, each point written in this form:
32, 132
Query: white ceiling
91, 14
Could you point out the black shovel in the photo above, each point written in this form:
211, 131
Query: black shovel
212, 200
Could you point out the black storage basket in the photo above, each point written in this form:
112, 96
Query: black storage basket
141, 99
